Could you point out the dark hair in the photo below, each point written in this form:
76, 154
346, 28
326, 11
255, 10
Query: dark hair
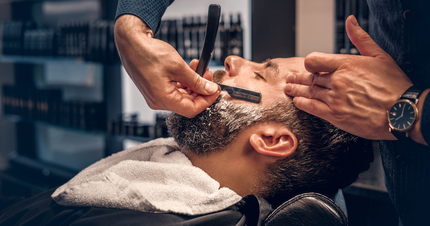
325, 160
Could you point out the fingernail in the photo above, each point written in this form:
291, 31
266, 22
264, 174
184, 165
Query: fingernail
354, 21
211, 87
289, 88
291, 78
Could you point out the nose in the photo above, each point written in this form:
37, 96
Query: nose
233, 65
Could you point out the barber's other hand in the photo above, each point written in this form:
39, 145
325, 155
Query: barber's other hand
352, 92
156, 68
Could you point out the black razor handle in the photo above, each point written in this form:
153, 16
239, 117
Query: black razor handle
214, 14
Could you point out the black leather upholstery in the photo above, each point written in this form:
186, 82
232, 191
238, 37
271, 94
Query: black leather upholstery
307, 209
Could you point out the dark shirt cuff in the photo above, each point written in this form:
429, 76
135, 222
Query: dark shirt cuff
425, 120
150, 11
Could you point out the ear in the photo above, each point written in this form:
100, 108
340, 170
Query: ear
273, 140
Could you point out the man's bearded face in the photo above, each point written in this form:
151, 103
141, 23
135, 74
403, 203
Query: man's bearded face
214, 128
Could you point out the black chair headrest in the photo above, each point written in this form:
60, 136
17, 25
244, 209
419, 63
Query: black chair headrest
307, 209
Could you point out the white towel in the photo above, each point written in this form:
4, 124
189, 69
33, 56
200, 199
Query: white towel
151, 177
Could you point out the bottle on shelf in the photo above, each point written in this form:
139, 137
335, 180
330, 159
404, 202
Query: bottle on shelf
187, 37
88, 40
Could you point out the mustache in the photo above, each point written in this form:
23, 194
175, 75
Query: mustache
218, 75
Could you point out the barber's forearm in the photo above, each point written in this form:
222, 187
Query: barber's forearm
129, 25
130, 34
416, 133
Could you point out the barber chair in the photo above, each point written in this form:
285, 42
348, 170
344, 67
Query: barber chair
309, 209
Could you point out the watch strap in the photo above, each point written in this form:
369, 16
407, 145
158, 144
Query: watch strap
400, 135
412, 94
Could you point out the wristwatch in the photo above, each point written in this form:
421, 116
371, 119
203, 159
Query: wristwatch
404, 113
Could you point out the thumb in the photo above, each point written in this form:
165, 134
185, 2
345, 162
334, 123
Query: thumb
361, 39
198, 84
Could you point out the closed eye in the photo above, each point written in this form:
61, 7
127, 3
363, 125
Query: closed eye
258, 75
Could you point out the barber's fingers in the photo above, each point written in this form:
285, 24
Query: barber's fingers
193, 104
193, 66
308, 91
361, 39
194, 63
187, 98
323, 62
319, 79
201, 85
189, 105
312, 106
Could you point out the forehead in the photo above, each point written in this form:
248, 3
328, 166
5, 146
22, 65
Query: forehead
293, 64
281, 68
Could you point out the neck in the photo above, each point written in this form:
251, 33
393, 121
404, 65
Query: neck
232, 168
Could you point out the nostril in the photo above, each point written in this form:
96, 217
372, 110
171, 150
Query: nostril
227, 66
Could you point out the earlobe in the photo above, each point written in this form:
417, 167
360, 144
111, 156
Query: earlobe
280, 143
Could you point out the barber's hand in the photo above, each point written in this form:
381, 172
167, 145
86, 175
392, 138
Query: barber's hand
159, 72
352, 92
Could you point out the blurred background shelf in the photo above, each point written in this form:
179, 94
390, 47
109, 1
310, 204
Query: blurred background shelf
44, 60
150, 129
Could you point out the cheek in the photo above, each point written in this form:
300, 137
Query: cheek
235, 81
272, 95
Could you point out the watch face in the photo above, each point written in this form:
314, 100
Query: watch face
402, 115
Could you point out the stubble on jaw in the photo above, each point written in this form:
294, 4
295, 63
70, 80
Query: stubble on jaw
215, 128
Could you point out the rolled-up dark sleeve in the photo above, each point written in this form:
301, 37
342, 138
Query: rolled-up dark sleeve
150, 11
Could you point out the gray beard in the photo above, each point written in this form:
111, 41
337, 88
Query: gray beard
219, 125
215, 128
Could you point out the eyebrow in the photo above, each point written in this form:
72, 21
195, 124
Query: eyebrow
270, 64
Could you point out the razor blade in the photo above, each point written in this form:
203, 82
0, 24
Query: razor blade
242, 94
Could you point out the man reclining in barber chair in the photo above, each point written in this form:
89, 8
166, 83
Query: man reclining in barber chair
233, 164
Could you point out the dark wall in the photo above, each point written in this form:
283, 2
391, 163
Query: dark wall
273, 29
